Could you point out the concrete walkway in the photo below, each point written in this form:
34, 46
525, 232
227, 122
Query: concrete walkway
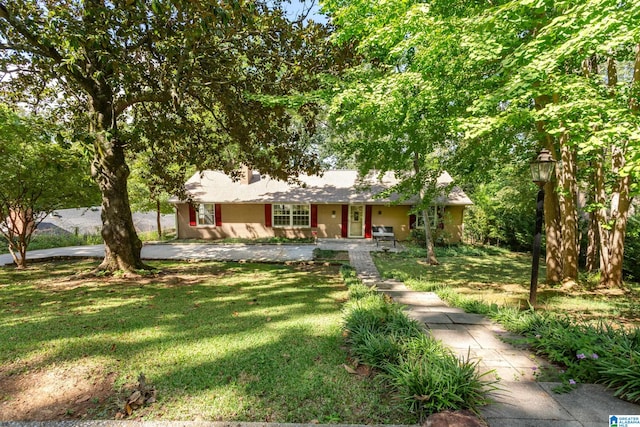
209, 251
184, 251
522, 401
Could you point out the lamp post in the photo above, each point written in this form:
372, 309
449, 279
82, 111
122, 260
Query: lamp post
541, 172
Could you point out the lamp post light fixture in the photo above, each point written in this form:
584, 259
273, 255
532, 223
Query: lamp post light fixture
542, 169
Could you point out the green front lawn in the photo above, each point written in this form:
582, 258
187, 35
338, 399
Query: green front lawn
497, 276
219, 341
592, 334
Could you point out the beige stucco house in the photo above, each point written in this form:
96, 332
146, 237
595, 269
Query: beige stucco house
338, 204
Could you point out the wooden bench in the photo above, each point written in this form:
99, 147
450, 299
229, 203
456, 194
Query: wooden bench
383, 233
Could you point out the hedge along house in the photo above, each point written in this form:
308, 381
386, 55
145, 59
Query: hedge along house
338, 204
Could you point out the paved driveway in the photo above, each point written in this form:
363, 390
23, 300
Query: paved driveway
186, 251
219, 252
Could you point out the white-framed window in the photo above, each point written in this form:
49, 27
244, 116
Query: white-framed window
206, 214
288, 215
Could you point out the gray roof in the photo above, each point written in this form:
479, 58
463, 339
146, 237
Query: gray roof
89, 221
334, 186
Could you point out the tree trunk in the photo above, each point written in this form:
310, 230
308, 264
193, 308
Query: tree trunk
620, 214
20, 258
553, 233
109, 169
601, 220
21, 228
612, 263
593, 242
553, 230
431, 254
621, 198
568, 210
158, 219
590, 68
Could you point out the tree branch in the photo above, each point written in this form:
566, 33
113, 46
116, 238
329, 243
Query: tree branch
208, 107
126, 102
50, 52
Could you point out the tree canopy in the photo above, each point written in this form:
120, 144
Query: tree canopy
209, 83
39, 174
471, 86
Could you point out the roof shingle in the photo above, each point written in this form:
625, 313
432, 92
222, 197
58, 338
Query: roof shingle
334, 186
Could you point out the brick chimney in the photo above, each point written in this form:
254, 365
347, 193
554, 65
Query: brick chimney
246, 175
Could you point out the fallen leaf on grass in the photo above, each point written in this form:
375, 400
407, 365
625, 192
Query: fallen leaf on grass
364, 370
349, 369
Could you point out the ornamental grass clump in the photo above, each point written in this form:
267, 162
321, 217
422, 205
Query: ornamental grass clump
425, 374
590, 353
434, 381
359, 291
377, 350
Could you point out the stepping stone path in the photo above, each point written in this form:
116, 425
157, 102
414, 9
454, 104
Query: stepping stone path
521, 401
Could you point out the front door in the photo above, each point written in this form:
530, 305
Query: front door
356, 221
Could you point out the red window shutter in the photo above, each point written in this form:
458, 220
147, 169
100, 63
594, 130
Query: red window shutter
192, 215
314, 215
412, 221
345, 221
267, 215
218, 214
368, 211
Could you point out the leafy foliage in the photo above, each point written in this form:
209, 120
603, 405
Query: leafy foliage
40, 173
479, 88
210, 84
503, 211
632, 249
428, 376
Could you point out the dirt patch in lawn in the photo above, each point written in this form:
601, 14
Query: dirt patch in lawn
54, 392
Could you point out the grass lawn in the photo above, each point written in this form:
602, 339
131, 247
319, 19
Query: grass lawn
497, 276
218, 341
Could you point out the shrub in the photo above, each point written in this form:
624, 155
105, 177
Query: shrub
632, 248
377, 350
591, 353
623, 375
436, 382
359, 291
425, 374
374, 314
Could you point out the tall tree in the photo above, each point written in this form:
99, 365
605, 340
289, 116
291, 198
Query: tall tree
38, 176
211, 79
541, 48
396, 111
